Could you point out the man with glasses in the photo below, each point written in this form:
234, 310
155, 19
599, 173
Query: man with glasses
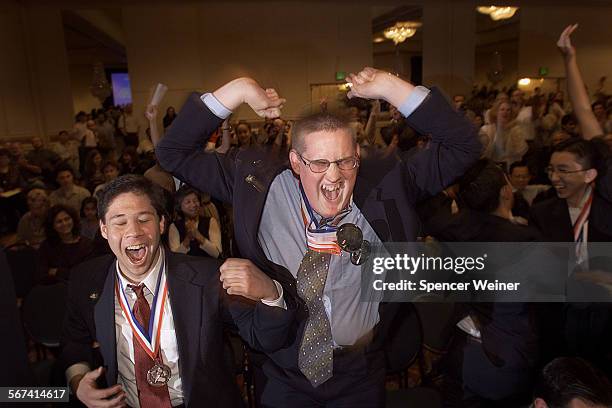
286, 219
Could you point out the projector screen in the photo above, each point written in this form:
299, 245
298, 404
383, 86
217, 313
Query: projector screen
122, 93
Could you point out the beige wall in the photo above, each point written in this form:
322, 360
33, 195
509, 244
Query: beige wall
287, 46
81, 77
36, 97
540, 28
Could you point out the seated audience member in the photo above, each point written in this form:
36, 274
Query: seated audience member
503, 140
92, 171
67, 148
191, 233
30, 172
520, 176
129, 160
89, 218
569, 382
495, 345
110, 171
64, 247
31, 227
68, 193
169, 117
11, 197
44, 158
187, 368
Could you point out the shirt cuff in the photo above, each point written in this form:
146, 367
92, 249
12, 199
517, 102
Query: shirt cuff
215, 106
413, 101
76, 369
280, 302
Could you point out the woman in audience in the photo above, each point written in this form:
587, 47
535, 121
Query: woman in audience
192, 233
93, 170
31, 227
89, 218
503, 139
64, 246
169, 117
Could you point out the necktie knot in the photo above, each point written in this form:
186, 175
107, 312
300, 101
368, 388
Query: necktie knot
138, 289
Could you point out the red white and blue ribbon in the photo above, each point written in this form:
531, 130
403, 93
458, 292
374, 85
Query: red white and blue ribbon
581, 225
320, 235
149, 337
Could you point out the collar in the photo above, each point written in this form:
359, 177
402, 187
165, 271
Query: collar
150, 279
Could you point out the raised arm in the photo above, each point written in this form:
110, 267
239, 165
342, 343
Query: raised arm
181, 151
151, 115
575, 87
454, 143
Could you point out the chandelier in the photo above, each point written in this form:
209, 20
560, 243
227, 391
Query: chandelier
497, 13
401, 30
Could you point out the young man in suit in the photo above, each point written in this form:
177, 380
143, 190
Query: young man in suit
286, 220
152, 321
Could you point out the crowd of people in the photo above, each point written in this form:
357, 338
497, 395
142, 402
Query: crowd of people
542, 174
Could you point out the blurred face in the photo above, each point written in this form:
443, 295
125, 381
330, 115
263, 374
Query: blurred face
90, 211
478, 121
133, 229
504, 112
517, 97
328, 192
63, 224
37, 142
599, 111
243, 134
570, 127
558, 137
190, 206
15, 149
520, 177
65, 179
97, 159
63, 137
568, 176
110, 173
170, 111
37, 201
458, 101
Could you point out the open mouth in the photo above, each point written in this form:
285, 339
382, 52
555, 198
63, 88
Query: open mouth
332, 192
136, 253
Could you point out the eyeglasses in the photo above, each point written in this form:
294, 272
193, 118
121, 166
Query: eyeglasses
550, 170
321, 165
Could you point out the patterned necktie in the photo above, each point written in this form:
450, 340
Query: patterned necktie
149, 396
315, 359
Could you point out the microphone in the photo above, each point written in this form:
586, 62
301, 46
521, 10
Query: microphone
350, 239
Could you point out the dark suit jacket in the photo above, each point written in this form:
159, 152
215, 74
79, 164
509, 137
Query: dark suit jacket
200, 309
386, 191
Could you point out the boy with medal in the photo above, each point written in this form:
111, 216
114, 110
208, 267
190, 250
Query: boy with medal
144, 328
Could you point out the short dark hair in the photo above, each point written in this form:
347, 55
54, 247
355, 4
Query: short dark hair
568, 118
88, 200
566, 378
480, 186
52, 235
516, 164
63, 166
318, 122
132, 183
591, 154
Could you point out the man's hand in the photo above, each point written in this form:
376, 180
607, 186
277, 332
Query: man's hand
151, 112
241, 277
87, 391
266, 103
565, 44
372, 83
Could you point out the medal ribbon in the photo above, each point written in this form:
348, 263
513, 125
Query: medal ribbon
581, 223
150, 338
320, 236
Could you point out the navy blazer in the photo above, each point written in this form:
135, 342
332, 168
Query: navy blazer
200, 309
386, 191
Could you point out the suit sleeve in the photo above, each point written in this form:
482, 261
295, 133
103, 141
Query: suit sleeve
453, 148
181, 151
76, 339
265, 328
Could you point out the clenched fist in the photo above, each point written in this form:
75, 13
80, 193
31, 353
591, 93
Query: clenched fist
241, 277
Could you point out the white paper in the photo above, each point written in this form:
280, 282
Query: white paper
158, 95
